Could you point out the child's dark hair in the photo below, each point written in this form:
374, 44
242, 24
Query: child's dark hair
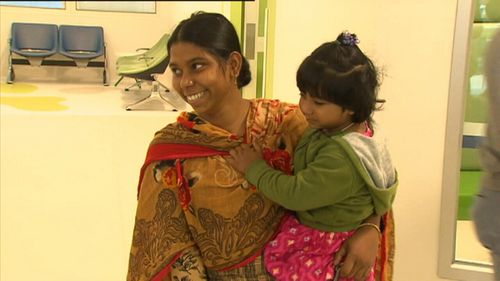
339, 72
214, 33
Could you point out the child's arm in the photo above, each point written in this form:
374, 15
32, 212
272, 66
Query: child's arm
329, 166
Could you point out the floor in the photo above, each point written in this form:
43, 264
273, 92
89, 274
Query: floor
36, 93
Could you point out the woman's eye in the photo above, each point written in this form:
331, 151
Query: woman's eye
175, 71
197, 66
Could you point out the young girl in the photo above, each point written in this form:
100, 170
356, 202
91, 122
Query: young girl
342, 171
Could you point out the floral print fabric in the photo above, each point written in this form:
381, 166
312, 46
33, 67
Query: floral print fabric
301, 253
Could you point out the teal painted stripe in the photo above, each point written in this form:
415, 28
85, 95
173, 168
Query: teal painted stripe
262, 17
260, 74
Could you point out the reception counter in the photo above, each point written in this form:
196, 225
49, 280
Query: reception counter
69, 182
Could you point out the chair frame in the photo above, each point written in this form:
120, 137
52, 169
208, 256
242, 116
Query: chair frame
35, 51
51, 60
146, 72
155, 95
90, 58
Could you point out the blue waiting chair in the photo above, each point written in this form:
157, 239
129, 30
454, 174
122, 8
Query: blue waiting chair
84, 44
33, 42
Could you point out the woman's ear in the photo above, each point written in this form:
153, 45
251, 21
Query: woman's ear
234, 62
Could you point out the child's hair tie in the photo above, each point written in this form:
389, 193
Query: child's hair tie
348, 39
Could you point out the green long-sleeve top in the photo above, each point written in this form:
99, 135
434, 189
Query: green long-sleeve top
339, 180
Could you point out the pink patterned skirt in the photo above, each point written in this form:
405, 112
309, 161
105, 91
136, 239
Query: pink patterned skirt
302, 253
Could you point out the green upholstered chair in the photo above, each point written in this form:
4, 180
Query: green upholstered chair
145, 67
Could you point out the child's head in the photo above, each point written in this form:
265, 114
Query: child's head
340, 73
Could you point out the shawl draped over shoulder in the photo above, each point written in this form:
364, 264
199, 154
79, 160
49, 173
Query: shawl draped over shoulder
189, 195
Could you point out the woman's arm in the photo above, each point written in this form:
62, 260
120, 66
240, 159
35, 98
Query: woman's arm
357, 255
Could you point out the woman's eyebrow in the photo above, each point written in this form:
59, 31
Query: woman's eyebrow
192, 60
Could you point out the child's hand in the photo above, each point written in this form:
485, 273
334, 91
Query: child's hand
242, 156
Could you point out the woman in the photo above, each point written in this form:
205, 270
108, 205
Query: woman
194, 211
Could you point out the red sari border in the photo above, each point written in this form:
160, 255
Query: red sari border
173, 151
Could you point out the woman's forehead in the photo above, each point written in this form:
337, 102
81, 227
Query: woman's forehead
185, 51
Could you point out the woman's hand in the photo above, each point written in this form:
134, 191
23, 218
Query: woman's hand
242, 156
357, 255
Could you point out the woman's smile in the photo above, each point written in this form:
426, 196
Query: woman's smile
195, 97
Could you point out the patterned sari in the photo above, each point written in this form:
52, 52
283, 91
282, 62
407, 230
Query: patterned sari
189, 196
191, 202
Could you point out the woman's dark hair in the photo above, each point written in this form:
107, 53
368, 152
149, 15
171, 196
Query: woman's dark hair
341, 73
214, 33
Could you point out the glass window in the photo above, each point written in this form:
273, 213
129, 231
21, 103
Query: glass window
486, 23
461, 255
34, 4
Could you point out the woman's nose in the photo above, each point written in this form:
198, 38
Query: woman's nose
186, 81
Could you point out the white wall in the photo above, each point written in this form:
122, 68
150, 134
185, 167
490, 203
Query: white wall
412, 42
123, 32
68, 192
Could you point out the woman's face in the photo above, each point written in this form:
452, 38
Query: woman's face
322, 114
198, 77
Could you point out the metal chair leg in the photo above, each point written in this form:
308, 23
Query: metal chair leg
119, 80
153, 97
10, 73
137, 83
